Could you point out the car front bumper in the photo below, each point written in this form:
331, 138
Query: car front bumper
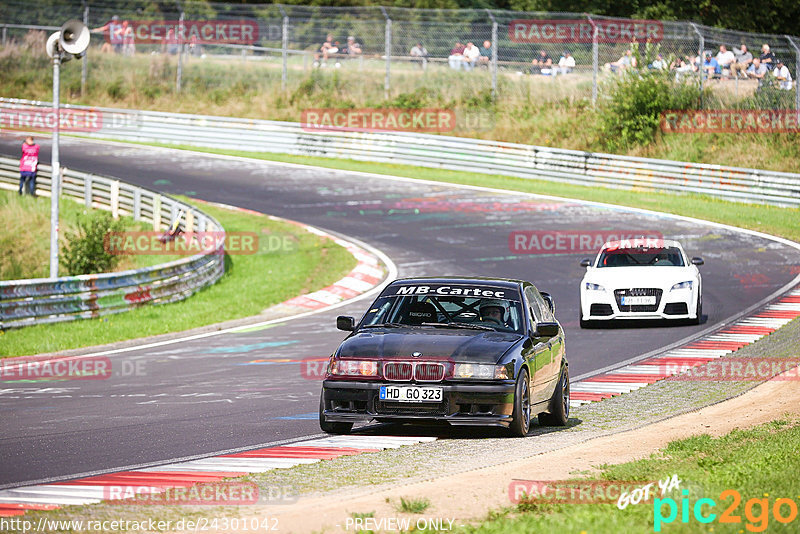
603, 306
480, 404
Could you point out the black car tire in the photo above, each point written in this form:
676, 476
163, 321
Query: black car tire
699, 310
559, 403
521, 418
332, 428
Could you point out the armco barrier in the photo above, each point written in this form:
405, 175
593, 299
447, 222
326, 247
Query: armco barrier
492, 157
41, 300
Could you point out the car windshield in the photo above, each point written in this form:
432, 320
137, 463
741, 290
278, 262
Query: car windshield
447, 306
641, 256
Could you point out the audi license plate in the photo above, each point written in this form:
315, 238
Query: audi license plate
638, 301
410, 394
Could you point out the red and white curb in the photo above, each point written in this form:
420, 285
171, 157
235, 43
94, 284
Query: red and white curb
152, 480
700, 351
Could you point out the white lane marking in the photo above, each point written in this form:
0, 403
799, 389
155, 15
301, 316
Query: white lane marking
607, 387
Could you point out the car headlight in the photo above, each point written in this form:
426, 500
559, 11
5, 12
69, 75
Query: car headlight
682, 285
594, 287
354, 368
480, 370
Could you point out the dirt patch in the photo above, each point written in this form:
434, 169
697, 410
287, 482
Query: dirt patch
470, 495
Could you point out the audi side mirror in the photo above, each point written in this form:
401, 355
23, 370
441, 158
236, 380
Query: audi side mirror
586, 262
697, 261
346, 323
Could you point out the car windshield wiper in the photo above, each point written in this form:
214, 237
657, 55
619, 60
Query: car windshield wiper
384, 325
460, 325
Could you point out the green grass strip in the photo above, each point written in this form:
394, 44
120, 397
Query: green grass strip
251, 284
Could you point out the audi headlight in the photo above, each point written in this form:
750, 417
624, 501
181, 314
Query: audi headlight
480, 370
594, 287
354, 368
682, 285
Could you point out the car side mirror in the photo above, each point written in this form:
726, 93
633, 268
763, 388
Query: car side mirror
697, 261
346, 323
546, 330
549, 299
586, 262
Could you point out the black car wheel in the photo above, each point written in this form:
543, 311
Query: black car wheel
559, 403
331, 428
521, 422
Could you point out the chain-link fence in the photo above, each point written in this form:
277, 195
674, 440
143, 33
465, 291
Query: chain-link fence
201, 46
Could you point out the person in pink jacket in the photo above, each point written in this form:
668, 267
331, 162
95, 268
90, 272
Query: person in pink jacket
28, 165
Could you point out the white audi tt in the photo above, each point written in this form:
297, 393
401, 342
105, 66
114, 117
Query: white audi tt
641, 279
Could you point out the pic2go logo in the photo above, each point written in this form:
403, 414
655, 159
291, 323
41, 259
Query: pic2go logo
756, 511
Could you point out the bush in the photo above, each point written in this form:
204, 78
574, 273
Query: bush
632, 113
84, 252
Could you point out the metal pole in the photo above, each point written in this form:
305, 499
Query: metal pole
55, 181
494, 55
285, 50
796, 74
85, 59
388, 52
595, 59
5, 36
700, 54
181, 46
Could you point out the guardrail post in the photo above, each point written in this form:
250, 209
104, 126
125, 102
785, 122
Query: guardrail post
494, 55
388, 51
284, 48
5, 35
201, 224
87, 191
114, 198
156, 212
137, 204
189, 218
173, 214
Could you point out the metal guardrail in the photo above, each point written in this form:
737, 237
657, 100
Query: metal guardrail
456, 153
42, 300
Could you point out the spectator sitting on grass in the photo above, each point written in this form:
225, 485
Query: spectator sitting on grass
710, 66
767, 57
542, 64
743, 60
725, 58
757, 70
352, 48
471, 55
486, 54
625, 62
419, 52
658, 63
325, 49
565, 64
783, 75
456, 56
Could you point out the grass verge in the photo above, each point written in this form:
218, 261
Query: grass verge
753, 463
251, 283
25, 236
783, 222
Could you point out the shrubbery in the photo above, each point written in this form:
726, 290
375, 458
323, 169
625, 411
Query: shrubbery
84, 252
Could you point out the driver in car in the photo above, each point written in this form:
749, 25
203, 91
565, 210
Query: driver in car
493, 311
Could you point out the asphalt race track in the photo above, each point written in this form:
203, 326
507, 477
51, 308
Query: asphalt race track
247, 389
